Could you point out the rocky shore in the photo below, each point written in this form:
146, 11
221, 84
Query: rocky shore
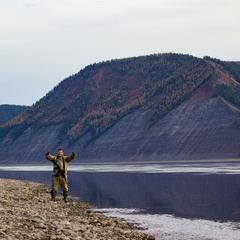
26, 212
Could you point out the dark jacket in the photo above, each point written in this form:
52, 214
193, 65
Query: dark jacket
60, 163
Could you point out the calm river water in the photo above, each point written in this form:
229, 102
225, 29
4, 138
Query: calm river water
173, 201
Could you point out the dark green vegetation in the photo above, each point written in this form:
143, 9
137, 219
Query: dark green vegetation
8, 112
229, 93
93, 100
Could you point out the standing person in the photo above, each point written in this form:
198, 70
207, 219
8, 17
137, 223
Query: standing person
60, 163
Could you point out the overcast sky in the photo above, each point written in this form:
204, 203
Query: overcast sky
44, 41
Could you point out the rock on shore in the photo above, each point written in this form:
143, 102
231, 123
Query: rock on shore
26, 212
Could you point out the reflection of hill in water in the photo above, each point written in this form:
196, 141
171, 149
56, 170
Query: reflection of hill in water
183, 194
186, 195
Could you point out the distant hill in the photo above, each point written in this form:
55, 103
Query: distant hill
117, 110
7, 112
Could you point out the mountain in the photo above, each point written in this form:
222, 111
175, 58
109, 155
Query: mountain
158, 107
8, 112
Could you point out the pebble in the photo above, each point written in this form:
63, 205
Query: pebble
27, 212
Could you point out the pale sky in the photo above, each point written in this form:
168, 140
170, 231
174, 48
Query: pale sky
44, 41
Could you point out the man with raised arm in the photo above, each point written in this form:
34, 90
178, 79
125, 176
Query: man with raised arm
60, 163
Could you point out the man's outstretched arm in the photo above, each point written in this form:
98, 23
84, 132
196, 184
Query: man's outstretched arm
71, 157
49, 156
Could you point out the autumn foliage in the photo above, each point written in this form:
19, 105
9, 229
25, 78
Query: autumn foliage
97, 97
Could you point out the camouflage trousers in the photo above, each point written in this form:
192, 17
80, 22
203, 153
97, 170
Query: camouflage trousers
56, 181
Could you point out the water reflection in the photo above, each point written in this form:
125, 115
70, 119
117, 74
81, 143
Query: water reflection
185, 194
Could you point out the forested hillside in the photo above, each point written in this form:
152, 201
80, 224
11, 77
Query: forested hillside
8, 112
97, 97
150, 108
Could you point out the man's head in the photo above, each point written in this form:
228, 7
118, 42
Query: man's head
60, 152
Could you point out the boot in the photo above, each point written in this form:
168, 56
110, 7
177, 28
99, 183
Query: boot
65, 195
53, 194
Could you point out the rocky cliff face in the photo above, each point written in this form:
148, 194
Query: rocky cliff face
204, 126
201, 128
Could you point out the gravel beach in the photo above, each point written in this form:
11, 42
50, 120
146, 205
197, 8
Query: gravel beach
27, 212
